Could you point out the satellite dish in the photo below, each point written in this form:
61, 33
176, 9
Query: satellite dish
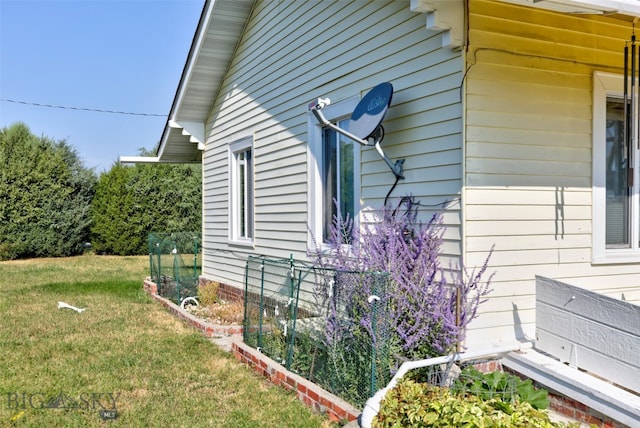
370, 111
365, 121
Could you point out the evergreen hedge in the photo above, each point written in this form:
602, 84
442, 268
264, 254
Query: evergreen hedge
51, 205
45, 193
133, 201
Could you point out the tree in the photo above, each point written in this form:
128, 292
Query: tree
133, 201
45, 194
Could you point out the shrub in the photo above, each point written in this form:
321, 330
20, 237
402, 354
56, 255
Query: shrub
132, 201
45, 194
387, 299
424, 307
412, 404
208, 293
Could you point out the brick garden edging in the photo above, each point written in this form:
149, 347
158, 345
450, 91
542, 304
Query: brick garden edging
208, 329
575, 410
309, 393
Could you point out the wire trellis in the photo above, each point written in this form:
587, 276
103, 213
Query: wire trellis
174, 264
301, 317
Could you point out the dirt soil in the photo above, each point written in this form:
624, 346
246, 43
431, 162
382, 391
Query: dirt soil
225, 313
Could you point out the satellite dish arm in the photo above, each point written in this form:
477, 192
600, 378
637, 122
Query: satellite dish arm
397, 167
316, 107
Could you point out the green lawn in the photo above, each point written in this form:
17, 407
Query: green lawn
125, 352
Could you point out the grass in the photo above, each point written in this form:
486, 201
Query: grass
124, 352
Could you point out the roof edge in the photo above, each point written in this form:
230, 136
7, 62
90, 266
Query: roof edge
199, 34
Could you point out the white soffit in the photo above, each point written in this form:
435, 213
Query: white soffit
597, 7
218, 33
138, 159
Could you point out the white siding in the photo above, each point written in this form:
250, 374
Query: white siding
595, 333
528, 157
292, 52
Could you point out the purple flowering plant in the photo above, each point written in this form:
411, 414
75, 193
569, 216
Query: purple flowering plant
384, 283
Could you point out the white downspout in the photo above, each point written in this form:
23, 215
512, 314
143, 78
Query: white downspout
372, 406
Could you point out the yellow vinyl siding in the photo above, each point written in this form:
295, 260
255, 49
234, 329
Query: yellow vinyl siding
528, 153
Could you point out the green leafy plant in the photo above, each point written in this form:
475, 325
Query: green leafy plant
306, 351
413, 404
506, 386
538, 398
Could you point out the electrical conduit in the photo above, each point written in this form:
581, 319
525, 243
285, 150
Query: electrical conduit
372, 406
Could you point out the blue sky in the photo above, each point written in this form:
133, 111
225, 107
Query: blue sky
119, 55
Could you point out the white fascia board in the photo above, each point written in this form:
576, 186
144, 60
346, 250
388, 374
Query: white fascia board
139, 159
193, 59
594, 393
199, 38
625, 7
195, 130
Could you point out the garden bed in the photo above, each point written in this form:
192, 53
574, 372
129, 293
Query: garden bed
217, 322
210, 327
222, 312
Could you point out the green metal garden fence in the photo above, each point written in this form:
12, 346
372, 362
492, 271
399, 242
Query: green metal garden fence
322, 324
174, 264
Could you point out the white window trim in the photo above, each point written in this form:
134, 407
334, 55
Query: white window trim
604, 85
335, 111
234, 148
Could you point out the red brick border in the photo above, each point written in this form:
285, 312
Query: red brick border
309, 393
578, 411
208, 329
572, 408
150, 286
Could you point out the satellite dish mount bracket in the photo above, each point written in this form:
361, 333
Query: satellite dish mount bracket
372, 132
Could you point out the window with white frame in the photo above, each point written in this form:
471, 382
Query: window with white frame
241, 191
334, 171
616, 214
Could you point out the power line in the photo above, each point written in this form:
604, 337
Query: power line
96, 110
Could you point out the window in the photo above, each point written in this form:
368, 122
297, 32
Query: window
241, 191
337, 177
616, 212
617, 181
334, 172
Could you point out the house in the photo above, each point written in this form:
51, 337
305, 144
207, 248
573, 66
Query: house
509, 115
